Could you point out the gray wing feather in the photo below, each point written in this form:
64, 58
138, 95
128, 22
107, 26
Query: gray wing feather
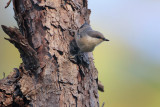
95, 34
83, 30
86, 29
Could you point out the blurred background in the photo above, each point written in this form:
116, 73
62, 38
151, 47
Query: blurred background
128, 65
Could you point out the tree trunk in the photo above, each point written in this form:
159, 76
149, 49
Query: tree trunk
47, 78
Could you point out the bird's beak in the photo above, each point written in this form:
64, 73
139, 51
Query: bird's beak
105, 39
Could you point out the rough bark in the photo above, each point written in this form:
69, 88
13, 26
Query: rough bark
47, 78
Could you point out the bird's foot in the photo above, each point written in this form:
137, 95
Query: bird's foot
73, 58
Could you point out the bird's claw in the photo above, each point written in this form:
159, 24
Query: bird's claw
73, 58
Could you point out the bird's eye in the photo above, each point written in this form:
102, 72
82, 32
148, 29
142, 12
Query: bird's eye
99, 37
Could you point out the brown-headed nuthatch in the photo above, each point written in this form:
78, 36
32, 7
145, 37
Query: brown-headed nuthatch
87, 39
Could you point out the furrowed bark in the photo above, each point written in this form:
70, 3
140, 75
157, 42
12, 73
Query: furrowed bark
47, 78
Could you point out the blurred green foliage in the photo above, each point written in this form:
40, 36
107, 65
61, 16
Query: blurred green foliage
129, 80
9, 56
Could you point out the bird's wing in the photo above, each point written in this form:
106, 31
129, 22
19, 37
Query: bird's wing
82, 31
96, 34
84, 25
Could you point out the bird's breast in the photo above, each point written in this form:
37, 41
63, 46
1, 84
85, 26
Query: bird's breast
87, 43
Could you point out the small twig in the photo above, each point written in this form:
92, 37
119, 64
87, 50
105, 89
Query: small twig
100, 86
8, 3
3, 75
103, 104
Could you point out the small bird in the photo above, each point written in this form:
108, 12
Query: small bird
87, 39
